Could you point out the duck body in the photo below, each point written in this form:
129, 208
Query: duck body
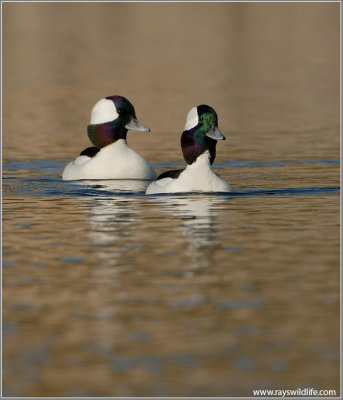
198, 143
197, 177
114, 161
110, 157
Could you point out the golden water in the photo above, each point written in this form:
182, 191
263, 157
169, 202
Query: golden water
108, 292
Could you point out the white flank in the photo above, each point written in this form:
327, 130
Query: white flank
115, 161
198, 177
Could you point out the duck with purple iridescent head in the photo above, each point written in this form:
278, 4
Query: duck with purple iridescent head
110, 157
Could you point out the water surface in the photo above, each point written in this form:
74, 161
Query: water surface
109, 292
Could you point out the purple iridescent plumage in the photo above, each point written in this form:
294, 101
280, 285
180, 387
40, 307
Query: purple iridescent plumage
193, 145
103, 134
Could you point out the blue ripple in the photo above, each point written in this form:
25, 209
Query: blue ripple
48, 185
232, 163
286, 191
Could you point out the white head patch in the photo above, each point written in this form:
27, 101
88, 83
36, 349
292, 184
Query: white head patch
103, 111
192, 119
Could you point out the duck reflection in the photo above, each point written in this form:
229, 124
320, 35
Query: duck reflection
116, 185
198, 220
115, 209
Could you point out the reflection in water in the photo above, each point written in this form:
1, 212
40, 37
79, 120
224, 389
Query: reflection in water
114, 215
198, 214
111, 217
112, 220
121, 185
264, 316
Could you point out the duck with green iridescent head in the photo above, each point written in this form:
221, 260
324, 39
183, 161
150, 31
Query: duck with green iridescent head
198, 143
110, 157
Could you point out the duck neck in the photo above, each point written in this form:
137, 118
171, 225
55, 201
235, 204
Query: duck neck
202, 162
107, 133
194, 144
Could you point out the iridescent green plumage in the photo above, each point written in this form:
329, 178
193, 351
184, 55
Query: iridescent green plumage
203, 136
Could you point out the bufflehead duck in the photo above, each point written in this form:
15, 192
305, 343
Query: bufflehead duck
198, 143
110, 157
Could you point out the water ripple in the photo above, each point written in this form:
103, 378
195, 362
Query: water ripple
49, 183
54, 187
56, 165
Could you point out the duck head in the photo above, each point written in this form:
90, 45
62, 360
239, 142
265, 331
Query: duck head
201, 133
111, 118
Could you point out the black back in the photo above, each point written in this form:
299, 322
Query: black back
90, 151
174, 173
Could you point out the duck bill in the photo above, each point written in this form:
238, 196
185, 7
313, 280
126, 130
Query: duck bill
135, 125
215, 133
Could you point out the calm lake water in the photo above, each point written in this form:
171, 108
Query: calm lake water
109, 292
